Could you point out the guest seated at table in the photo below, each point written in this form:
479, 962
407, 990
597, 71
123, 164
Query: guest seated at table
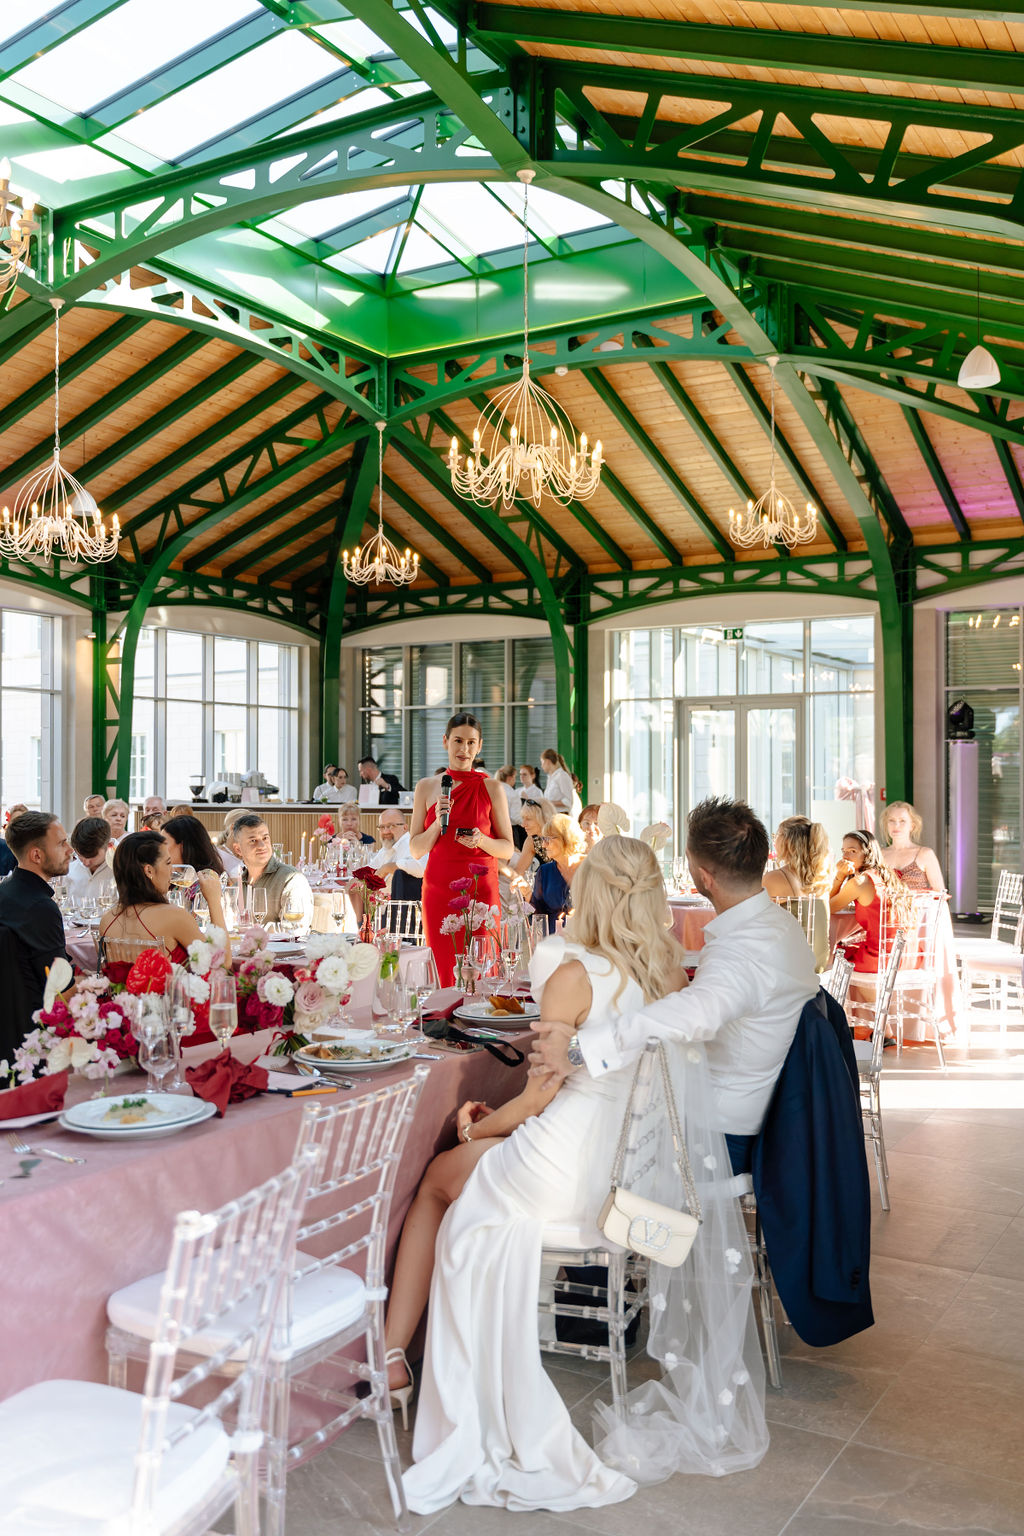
92, 805
862, 878
552, 889
287, 890
325, 793
143, 914
803, 870
345, 793
388, 786
189, 843
17, 809
31, 929
154, 805
350, 830
588, 825
915, 865
153, 822
230, 860
522, 870
181, 810
116, 813
393, 859
90, 877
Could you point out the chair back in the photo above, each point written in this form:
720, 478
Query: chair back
231, 1261
812, 914
883, 997
837, 984
404, 918
1009, 902
920, 933
361, 1142
119, 951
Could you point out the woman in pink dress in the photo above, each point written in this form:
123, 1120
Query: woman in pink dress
915, 865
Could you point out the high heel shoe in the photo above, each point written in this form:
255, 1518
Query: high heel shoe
400, 1396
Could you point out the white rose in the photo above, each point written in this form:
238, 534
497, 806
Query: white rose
332, 972
363, 959
278, 990
215, 937
200, 956
198, 988
320, 944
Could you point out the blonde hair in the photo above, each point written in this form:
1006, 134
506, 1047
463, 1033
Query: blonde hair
567, 831
916, 820
224, 840
620, 911
803, 847
542, 809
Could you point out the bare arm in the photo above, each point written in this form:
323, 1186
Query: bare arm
535, 1097
930, 864
858, 888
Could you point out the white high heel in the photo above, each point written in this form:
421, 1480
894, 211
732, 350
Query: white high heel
400, 1396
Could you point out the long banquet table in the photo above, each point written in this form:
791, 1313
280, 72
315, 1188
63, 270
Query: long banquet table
72, 1234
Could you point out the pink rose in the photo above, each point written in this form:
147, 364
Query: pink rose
310, 997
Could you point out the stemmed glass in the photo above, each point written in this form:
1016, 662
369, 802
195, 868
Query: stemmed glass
182, 1024
156, 1049
223, 1007
419, 973
483, 963
182, 876
258, 906
515, 938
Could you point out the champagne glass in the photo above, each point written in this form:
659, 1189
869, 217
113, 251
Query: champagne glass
156, 1050
182, 1024
223, 1007
182, 876
419, 972
258, 906
484, 964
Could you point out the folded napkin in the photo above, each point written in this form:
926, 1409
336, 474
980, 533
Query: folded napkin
35, 1098
445, 1013
225, 1080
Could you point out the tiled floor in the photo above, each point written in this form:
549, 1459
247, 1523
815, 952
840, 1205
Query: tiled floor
916, 1426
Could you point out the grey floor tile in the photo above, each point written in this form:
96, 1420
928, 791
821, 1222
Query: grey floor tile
942, 1182
926, 1233
1006, 1256
986, 1318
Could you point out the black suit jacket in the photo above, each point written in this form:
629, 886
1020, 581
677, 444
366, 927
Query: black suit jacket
35, 938
390, 795
811, 1181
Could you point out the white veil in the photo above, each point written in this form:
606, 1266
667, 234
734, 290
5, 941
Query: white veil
706, 1413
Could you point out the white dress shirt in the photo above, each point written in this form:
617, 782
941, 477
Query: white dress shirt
559, 789
399, 855
92, 884
755, 973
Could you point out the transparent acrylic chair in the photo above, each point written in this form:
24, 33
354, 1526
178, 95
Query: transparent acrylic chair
328, 1305
404, 919
869, 1066
80, 1456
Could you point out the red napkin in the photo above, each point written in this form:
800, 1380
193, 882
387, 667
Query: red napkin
445, 1013
35, 1098
225, 1080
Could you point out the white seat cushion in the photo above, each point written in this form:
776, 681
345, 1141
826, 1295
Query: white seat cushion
67, 1466
984, 949
1010, 964
322, 1304
862, 1051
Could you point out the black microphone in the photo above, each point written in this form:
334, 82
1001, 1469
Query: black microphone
447, 785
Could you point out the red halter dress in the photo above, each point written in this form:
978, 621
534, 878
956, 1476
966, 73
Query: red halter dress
449, 860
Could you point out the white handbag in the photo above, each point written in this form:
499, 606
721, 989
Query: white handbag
659, 1232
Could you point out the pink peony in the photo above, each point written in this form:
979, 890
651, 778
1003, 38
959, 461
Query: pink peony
310, 997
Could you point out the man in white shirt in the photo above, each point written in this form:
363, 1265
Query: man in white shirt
154, 805
755, 973
325, 793
393, 858
90, 877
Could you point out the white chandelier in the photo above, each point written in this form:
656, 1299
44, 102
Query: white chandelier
379, 560
541, 454
19, 223
772, 518
53, 513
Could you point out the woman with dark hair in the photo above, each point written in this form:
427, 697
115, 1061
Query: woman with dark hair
863, 878
142, 873
465, 829
190, 843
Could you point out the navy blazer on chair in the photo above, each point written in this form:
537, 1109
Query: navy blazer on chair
811, 1181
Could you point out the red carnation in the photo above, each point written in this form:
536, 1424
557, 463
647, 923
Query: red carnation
459, 904
325, 824
149, 973
464, 883
371, 879
478, 869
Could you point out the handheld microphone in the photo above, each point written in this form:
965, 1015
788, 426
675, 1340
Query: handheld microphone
447, 785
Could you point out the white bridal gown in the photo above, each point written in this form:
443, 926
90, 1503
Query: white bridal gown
490, 1426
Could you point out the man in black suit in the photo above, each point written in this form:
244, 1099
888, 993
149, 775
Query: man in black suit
387, 784
31, 924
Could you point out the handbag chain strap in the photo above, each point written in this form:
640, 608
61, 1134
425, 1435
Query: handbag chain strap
678, 1141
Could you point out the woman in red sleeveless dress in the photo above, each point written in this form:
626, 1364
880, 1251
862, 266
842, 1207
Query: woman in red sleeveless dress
478, 833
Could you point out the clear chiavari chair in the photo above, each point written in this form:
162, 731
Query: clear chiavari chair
402, 918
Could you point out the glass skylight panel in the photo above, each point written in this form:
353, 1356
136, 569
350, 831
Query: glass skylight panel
353, 39
315, 219
18, 16
375, 253
71, 162
550, 213
124, 46
444, 29
275, 71
469, 215
420, 251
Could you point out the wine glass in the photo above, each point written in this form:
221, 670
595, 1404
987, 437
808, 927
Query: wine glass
290, 918
223, 1007
156, 1049
182, 876
483, 963
419, 971
515, 938
258, 907
182, 1024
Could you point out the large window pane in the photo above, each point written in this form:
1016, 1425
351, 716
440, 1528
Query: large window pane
533, 673
997, 727
492, 726
23, 648
21, 762
983, 648
143, 772
533, 730
184, 666
431, 668
383, 681
229, 750
145, 663
382, 740
277, 753
842, 654
483, 675
642, 751
184, 749
277, 673
229, 670
426, 732
773, 657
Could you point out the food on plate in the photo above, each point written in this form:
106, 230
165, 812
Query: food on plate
503, 1002
131, 1112
338, 1052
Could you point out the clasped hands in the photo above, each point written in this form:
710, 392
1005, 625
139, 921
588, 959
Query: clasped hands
549, 1059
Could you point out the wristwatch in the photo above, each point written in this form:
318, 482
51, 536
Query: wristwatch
575, 1054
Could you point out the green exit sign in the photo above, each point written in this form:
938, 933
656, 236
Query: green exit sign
732, 634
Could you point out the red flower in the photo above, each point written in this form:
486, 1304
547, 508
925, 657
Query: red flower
370, 878
459, 904
149, 973
479, 869
464, 883
325, 824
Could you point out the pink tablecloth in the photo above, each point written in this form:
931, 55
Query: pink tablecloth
71, 1235
689, 922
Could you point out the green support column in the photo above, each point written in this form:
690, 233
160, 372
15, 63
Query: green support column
896, 616
577, 608
352, 514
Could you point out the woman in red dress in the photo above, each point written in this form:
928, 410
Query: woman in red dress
479, 833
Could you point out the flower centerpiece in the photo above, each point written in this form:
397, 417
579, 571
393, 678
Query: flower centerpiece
89, 1033
373, 888
296, 1005
467, 918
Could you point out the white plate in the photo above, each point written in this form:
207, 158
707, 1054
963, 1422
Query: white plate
393, 1051
480, 1013
20, 1121
142, 1132
171, 1109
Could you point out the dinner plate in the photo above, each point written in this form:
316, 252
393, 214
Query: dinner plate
20, 1122
391, 1052
480, 1013
141, 1132
166, 1110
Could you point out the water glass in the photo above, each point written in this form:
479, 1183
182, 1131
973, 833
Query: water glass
419, 972
394, 1006
181, 1022
223, 1006
156, 1048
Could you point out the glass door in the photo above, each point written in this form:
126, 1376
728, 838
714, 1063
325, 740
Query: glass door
748, 749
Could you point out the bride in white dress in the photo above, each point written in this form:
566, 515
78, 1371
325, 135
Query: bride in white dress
491, 1428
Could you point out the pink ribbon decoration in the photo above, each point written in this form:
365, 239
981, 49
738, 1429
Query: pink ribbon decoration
860, 794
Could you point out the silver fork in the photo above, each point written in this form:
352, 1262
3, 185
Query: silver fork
24, 1150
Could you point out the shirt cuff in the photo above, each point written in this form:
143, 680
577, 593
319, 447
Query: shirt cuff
600, 1049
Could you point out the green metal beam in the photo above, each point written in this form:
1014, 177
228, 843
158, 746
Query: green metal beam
860, 459
790, 459
707, 439
436, 530
352, 514
940, 479
321, 486
1013, 477
658, 461
59, 23
750, 47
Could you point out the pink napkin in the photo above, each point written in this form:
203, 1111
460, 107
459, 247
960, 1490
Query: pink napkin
225, 1080
35, 1098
